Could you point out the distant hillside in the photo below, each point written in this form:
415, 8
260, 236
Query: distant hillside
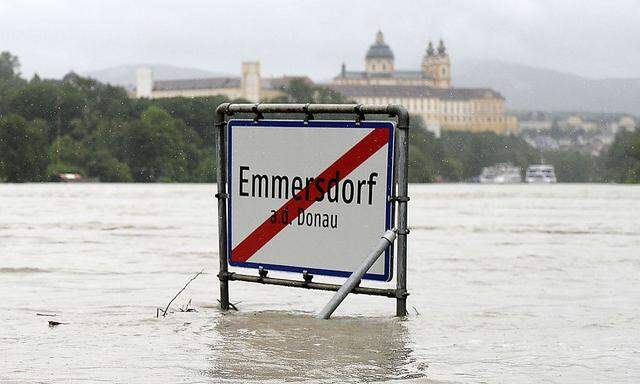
525, 88
125, 75
529, 88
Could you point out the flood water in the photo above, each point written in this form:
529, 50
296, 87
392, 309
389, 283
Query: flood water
509, 284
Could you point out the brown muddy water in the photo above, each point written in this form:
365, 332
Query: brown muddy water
509, 284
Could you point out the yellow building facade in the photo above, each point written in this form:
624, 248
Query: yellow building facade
427, 92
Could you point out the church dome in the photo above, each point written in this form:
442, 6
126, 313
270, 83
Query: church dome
379, 50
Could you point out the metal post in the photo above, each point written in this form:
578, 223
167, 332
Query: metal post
221, 179
402, 199
385, 241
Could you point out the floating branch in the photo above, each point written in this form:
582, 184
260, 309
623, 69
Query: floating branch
232, 305
186, 308
55, 323
164, 311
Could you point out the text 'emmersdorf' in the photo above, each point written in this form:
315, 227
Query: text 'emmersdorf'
337, 189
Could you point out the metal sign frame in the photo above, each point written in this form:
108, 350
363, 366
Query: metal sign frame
233, 124
399, 197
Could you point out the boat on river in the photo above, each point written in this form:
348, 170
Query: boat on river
502, 173
541, 174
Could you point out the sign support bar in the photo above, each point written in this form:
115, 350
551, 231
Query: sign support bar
233, 276
385, 242
222, 211
401, 163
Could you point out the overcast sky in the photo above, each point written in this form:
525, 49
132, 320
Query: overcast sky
589, 38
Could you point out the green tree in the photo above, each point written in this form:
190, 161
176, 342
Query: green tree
67, 155
9, 66
623, 158
23, 149
423, 151
155, 147
53, 101
142, 151
197, 113
106, 168
300, 90
451, 169
572, 166
174, 154
97, 130
99, 101
205, 171
10, 80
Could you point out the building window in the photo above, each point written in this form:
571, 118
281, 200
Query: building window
384, 67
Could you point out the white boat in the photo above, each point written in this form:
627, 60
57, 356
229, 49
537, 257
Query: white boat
502, 173
540, 173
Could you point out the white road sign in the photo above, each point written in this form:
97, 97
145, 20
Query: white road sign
309, 196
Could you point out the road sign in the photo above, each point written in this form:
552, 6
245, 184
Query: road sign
310, 195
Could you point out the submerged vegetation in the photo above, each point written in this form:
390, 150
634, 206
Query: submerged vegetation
82, 126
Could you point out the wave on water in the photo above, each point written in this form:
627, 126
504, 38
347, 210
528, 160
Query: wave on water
140, 227
8, 270
523, 230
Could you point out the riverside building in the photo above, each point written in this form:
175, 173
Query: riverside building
250, 85
427, 92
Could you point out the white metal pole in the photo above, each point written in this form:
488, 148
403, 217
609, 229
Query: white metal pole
385, 242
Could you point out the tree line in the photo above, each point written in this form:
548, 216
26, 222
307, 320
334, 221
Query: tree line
80, 125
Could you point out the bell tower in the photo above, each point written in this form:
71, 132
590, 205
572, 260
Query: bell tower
437, 66
144, 83
426, 66
250, 82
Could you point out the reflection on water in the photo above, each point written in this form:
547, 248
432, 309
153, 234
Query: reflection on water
305, 348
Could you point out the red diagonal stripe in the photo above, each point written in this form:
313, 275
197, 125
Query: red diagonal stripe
355, 156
